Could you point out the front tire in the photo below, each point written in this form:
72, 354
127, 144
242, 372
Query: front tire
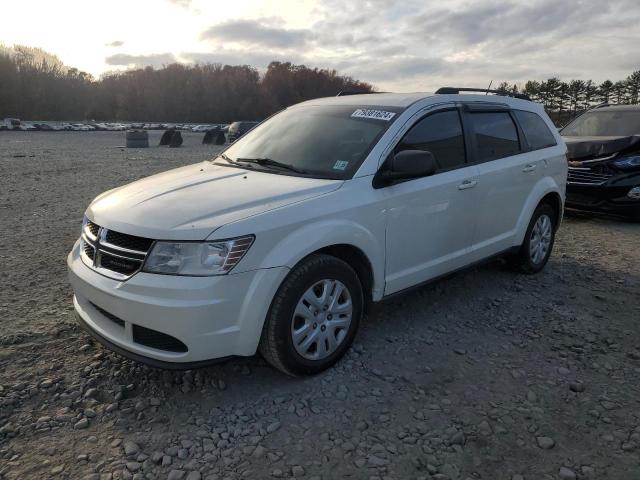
313, 317
538, 242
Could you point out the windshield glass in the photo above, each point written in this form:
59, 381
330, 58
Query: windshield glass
604, 124
325, 141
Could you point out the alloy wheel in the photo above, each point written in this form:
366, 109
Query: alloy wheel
540, 239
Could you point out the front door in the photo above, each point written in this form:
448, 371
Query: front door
431, 220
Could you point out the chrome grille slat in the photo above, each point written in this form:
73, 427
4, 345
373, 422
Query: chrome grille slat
109, 253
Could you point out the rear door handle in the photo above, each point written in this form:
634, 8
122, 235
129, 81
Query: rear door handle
530, 167
467, 184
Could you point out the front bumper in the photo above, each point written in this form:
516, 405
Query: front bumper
207, 317
609, 198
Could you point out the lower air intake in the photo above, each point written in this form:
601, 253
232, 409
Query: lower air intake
158, 340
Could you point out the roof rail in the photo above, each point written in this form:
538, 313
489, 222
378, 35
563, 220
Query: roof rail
344, 93
457, 90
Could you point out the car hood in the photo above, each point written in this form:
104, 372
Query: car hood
580, 148
189, 203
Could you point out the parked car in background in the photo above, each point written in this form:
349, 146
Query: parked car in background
604, 160
238, 129
11, 123
202, 128
280, 242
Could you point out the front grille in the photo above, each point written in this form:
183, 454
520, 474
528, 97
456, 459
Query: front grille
93, 228
579, 176
89, 251
110, 316
129, 242
114, 254
158, 340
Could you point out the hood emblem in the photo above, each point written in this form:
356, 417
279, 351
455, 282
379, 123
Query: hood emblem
575, 163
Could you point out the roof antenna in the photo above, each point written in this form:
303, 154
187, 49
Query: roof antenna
489, 88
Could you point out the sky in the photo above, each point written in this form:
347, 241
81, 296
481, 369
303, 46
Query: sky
406, 45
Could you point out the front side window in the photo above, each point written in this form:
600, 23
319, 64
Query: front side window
496, 135
321, 141
535, 130
440, 134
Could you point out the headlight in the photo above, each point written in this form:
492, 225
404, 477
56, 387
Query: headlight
628, 162
217, 257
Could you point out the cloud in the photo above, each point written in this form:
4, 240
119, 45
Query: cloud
258, 59
153, 60
181, 3
423, 44
116, 43
257, 32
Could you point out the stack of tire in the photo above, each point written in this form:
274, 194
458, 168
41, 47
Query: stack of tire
214, 136
137, 139
171, 137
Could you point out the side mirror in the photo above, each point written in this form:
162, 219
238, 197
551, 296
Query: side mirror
406, 165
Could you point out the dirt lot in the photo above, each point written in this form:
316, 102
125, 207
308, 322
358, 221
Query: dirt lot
485, 375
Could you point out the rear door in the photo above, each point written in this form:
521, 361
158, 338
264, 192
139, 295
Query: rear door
430, 220
507, 173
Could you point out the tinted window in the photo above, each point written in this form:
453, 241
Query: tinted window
440, 134
535, 130
496, 135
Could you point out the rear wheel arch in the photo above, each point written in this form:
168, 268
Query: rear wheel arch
554, 200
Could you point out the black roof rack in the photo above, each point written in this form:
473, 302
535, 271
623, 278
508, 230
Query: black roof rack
344, 93
457, 90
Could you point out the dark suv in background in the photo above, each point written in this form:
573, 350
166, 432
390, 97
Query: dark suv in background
604, 160
237, 129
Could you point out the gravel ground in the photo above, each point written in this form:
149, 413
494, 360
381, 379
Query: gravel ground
487, 374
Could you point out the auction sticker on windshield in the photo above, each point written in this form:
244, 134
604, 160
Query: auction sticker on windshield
375, 114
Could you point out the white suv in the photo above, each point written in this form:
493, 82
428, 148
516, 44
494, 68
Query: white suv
281, 242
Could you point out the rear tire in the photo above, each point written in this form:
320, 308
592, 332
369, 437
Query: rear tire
538, 242
313, 317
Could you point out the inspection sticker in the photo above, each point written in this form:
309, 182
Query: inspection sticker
340, 165
376, 114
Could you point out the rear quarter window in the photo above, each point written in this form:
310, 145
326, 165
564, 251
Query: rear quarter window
535, 130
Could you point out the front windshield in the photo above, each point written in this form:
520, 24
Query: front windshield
604, 124
325, 141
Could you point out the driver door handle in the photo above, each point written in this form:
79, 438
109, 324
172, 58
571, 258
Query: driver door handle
467, 184
530, 167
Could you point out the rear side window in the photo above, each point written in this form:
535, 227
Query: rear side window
440, 134
535, 130
496, 135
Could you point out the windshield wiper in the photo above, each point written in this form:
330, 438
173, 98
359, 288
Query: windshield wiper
234, 162
268, 162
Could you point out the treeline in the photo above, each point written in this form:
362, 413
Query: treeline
36, 85
565, 100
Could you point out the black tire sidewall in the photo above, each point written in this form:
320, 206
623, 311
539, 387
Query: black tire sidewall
287, 298
525, 256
